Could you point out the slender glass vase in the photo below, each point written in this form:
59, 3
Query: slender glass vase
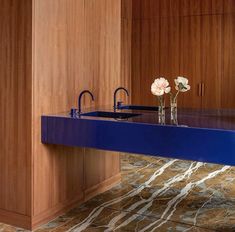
161, 110
173, 102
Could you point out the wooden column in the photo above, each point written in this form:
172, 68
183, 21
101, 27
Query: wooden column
50, 51
15, 111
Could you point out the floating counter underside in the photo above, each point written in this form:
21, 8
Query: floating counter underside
190, 143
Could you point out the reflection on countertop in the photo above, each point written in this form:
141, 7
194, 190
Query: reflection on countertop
186, 117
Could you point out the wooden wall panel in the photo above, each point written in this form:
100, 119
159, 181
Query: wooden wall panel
229, 6
190, 7
126, 56
51, 51
193, 36
190, 59
55, 76
228, 78
126, 41
201, 7
211, 60
169, 47
99, 166
15, 110
201, 60
169, 8
126, 9
102, 59
77, 46
145, 60
149, 9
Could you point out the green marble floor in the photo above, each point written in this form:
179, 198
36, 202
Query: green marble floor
157, 194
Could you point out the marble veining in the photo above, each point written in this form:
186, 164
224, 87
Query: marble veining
157, 194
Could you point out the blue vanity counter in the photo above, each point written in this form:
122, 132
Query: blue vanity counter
200, 135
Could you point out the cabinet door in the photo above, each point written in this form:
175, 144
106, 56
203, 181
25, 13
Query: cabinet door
169, 48
145, 60
228, 79
211, 58
190, 60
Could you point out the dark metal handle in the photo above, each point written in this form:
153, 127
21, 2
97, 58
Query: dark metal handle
203, 89
199, 89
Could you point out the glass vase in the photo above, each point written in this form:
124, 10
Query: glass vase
161, 110
173, 103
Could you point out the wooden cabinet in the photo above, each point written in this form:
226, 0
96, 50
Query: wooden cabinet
192, 38
190, 60
201, 60
228, 77
211, 60
169, 48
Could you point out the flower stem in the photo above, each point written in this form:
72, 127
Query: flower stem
176, 95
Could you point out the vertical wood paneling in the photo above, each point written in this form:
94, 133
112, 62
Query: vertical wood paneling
229, 6
15, 106
126, 41
218, 7
201, 7
169, 46
190, 59
57, 42
211, 58
102, 69
136, 62
195, 40
228, 79
77, 46
190, 7
169, 8
126, 9
145, 59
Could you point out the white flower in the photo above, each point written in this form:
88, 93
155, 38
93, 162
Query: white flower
181, 84
160, 86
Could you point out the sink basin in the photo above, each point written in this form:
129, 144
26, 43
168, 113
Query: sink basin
138, 107
105, 114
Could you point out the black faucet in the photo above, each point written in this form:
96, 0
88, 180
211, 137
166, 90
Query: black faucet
80, 97
114, 96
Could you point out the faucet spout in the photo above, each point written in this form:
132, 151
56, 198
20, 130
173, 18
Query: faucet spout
114, 96
80, 98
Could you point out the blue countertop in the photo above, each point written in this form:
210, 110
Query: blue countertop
201, 135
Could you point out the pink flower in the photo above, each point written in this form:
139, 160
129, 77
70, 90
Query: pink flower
160, 86
181, 84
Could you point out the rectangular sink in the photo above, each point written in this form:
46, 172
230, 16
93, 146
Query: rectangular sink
138, 107
105, 114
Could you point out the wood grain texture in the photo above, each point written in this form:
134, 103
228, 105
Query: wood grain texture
191, 41
126, 74
190, 59
229, 6
102, 60
126, 38
211, 60
15, 108
58, 171
145, 59
77, 46
102, 186
228, 78
51, 51
170, 49
15, 219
